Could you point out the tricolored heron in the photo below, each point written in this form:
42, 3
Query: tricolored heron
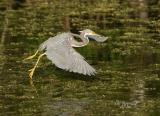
59, 50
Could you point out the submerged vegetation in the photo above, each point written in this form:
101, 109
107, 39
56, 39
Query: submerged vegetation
128, 64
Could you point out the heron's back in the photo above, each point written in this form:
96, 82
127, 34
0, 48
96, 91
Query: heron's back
54, 41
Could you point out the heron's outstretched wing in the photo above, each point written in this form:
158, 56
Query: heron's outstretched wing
65, 57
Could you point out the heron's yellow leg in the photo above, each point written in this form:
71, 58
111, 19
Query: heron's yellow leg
33, 69
30, 57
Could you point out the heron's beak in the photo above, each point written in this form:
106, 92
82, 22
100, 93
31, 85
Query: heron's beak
97, 37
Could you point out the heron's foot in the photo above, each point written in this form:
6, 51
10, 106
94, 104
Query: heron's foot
30, 69
30, 57
33, 69
31, 72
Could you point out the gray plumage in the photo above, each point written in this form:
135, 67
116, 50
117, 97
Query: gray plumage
59, 50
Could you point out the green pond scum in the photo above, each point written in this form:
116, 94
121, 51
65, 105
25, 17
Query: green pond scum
127, 82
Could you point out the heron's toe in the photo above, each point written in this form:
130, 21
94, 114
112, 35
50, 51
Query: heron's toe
30, 57
30, 69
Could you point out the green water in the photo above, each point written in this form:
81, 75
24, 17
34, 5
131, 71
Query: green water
128, 64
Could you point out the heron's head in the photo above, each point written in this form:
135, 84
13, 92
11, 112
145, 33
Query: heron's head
92, 35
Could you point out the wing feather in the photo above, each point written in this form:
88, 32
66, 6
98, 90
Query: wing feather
61, 53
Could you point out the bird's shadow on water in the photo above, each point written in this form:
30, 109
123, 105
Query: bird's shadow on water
52, 71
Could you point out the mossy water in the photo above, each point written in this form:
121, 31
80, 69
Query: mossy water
128, 64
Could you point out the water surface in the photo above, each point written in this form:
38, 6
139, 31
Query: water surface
128, 64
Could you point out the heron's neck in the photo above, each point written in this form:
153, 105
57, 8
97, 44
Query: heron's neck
84, 39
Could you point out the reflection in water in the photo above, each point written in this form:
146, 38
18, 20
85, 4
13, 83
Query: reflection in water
128, 64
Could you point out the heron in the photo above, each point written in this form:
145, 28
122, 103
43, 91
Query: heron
60, 50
